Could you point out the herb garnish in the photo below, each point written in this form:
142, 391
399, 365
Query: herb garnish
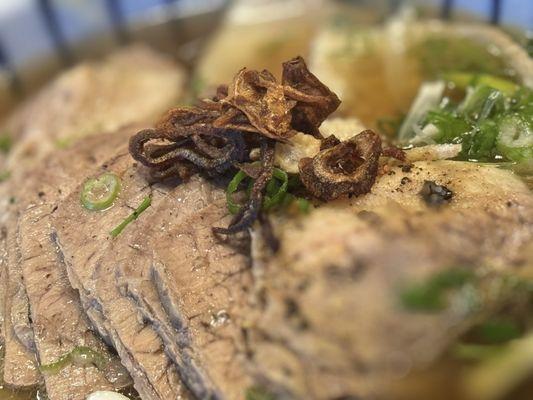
6, 142
81, 356
132, 217
258, 393
430, 295
493, 123
4, 175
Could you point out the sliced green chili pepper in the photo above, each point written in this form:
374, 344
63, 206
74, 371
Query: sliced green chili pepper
132, 217
80, 356
100, 193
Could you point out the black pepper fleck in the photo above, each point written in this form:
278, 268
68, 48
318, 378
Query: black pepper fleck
406, 168
405, 180
435, 195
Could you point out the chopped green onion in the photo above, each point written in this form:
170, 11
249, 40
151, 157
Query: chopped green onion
480, 102
422, 298
429, 296
56, 366
4, 175
276, 194
480, 143
475, 352
64, 143
498, 331
276, 190
304, 205
232, 188
6, 142
258, 393
132, 217
100, 193
464, 79
515, 140
83, 356
80, 356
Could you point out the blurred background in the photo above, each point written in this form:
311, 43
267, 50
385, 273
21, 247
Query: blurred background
40, 37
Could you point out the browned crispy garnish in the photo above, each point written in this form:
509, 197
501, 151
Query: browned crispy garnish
394, 152
315, 102
349, 167
218, 133
263, 101
171, 153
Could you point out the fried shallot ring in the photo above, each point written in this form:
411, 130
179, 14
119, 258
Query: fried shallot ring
204, 150
349, 167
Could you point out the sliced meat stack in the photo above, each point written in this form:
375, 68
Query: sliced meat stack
184, 313
43, 317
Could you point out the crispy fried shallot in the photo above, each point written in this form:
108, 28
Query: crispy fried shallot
348, 167
218, 133
205, 149
314, 101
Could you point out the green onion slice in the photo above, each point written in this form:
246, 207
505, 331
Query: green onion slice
464, 79
276, 193
515, 140
80, 356
232, 188
100, 193
132, 217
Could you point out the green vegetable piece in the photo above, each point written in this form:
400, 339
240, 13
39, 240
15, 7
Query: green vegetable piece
304, 205
81, 356
132, 217
56, 366
276, 190
480, 102
462, 80
232, 188
480, 143
475, 352
450, 127
6, 142
515, 140
451, 278
422, 298
100, 193
429, 296
276, 194
258, 393
498, 331
4, 175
